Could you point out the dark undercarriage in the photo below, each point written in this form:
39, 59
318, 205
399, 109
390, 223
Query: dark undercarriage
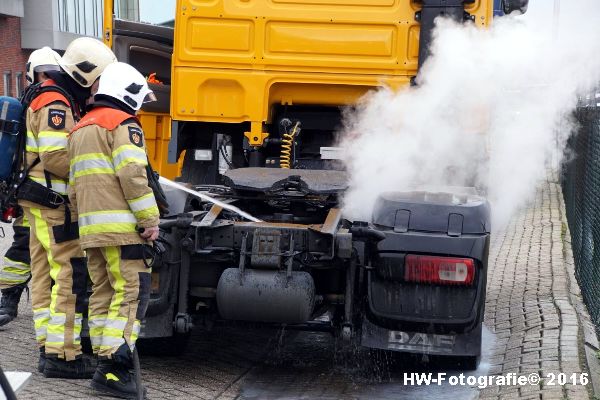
305, 266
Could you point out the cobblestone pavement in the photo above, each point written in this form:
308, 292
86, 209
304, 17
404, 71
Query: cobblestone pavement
530, 300
531, 325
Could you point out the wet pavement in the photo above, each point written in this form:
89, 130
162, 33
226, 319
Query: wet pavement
378, 376
531, 326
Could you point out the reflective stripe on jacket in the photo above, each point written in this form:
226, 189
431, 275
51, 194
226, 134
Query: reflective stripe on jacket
49, 119
108, 182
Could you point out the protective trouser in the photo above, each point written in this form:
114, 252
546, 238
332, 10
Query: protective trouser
58, 281
120, 294
15, 269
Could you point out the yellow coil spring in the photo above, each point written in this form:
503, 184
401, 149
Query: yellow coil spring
285, 159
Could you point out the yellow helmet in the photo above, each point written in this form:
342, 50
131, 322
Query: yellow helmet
41, 60
84, 60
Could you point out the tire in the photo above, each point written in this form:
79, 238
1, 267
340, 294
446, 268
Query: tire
508, 6
164, 346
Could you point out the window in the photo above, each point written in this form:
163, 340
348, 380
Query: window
7, 82
18, 84
149, 12
83, 17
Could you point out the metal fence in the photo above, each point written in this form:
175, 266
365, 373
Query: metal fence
581, 189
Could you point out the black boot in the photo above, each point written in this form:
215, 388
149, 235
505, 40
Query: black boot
9, 303
42, 360
81, 368
115, 379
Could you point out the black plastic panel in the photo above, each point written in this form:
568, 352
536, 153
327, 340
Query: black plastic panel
412, 301
454, 213
395, 303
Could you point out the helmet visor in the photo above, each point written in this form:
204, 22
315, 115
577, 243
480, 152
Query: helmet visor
46, 68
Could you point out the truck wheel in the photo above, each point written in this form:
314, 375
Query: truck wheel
164, 346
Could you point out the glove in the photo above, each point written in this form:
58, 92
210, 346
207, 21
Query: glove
150, 234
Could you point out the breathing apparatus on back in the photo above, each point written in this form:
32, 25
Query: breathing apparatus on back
13, 135
13, 129
11, 121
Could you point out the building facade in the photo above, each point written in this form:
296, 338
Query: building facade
12, 62
26, 25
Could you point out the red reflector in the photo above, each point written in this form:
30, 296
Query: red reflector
439, 270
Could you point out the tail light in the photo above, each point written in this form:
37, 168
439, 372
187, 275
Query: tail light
439, 270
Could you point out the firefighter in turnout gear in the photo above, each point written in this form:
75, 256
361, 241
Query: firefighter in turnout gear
118, 215
58, 268
15, 270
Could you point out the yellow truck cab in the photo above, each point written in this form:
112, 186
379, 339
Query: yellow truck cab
232, 70
240, 68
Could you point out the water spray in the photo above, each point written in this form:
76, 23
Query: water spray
210, 199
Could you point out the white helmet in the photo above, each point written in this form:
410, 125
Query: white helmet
123, 82
84, 60
41, 60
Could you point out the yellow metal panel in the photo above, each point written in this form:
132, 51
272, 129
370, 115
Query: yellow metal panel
234, 59
107, 22
339, 2
231, 95
306, 93
412, 44
223, 97
157, 132
264, 34
300, 39
207, 34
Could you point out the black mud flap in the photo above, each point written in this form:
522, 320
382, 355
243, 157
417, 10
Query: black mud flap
463, 344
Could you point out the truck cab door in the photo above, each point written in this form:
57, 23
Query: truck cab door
149, 48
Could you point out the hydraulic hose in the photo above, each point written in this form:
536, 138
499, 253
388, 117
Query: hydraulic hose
210, 199
287, 145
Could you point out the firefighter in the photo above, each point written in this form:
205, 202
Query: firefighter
15, 271
58, 268
118, 215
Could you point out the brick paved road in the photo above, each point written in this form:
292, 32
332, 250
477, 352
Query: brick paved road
530, 316
529, 306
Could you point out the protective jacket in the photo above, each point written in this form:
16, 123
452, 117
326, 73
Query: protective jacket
109, 186
49, 119
58, 265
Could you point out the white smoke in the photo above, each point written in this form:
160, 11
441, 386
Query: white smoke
492, 109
